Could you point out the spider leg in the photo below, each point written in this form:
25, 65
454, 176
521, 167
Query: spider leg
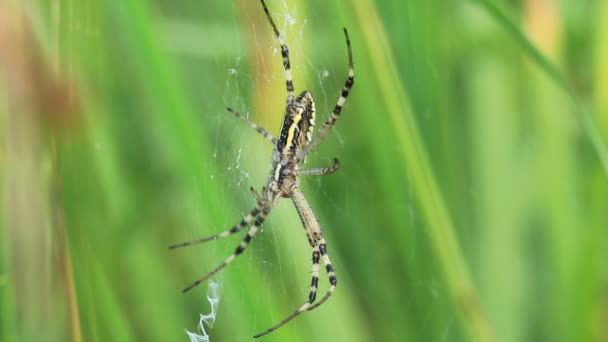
319, 171
241, 247
235, 229
319, 252
337, 109
314, 285
255, 126
284, 54
314, 231
333, 281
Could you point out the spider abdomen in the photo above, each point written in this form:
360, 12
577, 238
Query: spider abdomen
298, 125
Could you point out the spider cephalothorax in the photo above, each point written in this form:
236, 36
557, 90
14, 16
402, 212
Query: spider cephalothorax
290, 151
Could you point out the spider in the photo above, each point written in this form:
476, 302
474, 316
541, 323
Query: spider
295, 142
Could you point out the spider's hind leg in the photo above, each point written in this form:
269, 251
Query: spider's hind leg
329, 123
284, 55
255, 126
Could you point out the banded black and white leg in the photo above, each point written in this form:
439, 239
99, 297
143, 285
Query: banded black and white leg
259, 220
284, 55
312, 295
255, 126
331, 274
329, 123
317, 242
235, 229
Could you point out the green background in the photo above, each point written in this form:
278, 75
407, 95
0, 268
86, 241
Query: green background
470, 205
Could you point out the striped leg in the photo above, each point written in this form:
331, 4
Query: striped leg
255, 126
337, 109
241, 247
235, 229
284, 54
314, 285
333, 281
319, 171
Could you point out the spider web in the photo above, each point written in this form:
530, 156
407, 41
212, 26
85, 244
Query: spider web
246, 161
213, 297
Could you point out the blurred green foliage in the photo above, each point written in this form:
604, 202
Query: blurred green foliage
471, 202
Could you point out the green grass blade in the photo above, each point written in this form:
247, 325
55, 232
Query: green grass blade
414, 159
583, 116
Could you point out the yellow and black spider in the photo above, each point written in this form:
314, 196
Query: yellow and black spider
291, 148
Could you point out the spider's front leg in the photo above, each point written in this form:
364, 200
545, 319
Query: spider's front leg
259, 213
240, 248
319, 252
314, 285
314, 229
333, 281
235, 229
